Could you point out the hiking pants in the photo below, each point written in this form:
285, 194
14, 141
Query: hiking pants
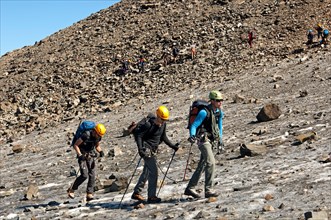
150, 174
87, 170
207, 165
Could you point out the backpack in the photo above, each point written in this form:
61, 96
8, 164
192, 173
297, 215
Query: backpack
175, 51
196, 106
82, 127
134, 128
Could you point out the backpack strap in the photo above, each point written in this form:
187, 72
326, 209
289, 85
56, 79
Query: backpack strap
210, 111
201, 129
150, 121
209, 122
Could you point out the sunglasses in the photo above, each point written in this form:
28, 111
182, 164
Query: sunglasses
218, 100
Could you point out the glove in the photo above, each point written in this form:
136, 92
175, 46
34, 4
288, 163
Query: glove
81, 157
176, 147
101, 154
143, 154
192, 139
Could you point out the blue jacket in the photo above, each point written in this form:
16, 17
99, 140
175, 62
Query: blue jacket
201, 117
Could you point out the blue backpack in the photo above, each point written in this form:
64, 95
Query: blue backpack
83, 126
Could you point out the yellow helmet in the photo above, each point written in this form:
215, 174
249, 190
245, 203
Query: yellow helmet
215, 95
163, 112
100, 129
319, 25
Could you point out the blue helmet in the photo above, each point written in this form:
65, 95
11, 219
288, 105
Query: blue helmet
310, 31
325, 32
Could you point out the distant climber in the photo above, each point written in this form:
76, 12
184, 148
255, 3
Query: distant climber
141, 64
325, 36
125, 66
166, 56
251, 37
310, 37
175, 52
193, 51
319, 30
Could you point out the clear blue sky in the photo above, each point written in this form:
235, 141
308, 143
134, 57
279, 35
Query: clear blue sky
23, 22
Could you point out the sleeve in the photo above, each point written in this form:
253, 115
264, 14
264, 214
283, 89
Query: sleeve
220, 124
140, 134
165, 138
197, 122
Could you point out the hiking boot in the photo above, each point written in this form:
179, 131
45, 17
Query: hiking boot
89, 196
154, 199
137, 196
191, 192
71, 193
211, 194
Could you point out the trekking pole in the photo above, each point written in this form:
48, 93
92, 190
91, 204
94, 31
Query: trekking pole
175, 181
77, 172
188, 158
119, 206
166, 173
76, 175
132, 161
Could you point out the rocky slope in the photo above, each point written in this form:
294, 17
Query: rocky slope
285, 180
70, 74
48, 87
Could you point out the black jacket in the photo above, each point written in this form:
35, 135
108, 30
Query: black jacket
89, 142
151, 136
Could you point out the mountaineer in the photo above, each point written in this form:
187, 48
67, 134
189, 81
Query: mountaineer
310, 37
166, 56
319, 30
85, 147
148, 137
193, 51
125, 65
325, 36
206, 130
175, 52
141, 64
251, 37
